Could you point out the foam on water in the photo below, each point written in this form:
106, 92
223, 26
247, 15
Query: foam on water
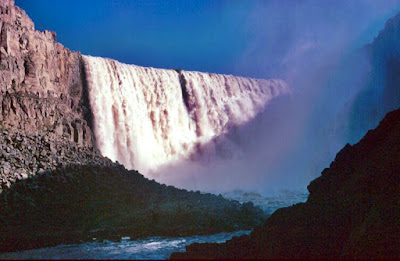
156, 247
152, 248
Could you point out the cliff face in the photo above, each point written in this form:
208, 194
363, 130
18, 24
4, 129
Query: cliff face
381, 91
41, 94
41, 81
353, 210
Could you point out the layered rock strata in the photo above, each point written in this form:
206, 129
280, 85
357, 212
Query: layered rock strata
42, 95
41, 81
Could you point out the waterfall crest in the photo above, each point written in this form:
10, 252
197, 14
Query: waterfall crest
146, 117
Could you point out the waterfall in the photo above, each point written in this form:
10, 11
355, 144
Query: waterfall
146, 117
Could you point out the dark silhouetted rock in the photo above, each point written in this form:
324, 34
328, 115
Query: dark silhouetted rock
352, 212
79, 203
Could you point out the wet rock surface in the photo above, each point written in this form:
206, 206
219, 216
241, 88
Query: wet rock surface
352, 212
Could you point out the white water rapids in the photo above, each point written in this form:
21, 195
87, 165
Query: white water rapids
146, 117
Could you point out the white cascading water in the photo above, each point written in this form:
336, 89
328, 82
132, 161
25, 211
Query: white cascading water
146, 117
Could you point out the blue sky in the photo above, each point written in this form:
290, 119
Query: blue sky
242, 37
300, 41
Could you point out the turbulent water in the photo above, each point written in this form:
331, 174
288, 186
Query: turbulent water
146, 117
155, 247
150, 249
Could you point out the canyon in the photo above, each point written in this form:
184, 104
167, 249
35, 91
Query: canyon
76, 130
57, 186
141, 117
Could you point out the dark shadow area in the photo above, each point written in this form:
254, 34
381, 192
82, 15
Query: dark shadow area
85, 98
78, 203
352, 212
185, 94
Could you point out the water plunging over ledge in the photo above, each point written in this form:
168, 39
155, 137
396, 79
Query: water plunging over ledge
146, 117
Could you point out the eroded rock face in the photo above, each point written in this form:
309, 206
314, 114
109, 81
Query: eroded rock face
24, 154
32, 61
41, 86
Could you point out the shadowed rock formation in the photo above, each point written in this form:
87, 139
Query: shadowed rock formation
78, 203
381, 92
353, 210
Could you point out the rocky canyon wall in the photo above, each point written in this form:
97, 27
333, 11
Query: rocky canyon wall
41, 81
42, 100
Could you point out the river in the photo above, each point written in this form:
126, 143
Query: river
156, 248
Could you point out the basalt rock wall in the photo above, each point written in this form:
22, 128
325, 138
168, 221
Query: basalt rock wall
42, 94
41, 83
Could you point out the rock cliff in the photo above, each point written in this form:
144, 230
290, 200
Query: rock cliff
41, 81
352, 212
381, 89
42, 93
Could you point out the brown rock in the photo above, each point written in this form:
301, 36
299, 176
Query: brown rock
39, 78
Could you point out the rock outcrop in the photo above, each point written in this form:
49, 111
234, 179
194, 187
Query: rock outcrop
381, 87
41, 80
42, 90
24, 154
352, 212
78, 203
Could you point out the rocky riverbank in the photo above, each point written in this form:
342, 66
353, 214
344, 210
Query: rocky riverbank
78, 203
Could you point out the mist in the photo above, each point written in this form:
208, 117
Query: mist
317, 48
